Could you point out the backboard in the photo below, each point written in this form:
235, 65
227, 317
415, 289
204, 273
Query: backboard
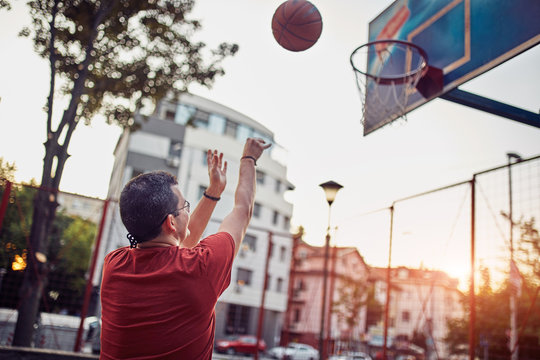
463, 38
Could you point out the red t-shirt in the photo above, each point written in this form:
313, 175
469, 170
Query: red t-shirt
158, 303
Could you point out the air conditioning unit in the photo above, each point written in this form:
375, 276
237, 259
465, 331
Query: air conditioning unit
173, 161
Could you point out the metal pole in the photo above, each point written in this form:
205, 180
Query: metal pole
88, 290
325, 280
331, 298
387, 305
288, 313
5, 201
514, 348
472, 300
323, 307
263, 297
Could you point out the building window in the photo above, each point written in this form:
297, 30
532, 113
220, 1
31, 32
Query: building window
251, 242
175, 148
405, 316
265, 137
271, 252
257, 210
202, 189
282, 253
230, 128
278, 186
204, 159
286, 223
279, 285
275, 217
136, 172
184, 114
237, 321
243, 132
200, 119
297, 314
243, 276
268, 279
260, 177
170, 115
216, 124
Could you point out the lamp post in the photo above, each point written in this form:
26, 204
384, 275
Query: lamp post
513, 313
330, 189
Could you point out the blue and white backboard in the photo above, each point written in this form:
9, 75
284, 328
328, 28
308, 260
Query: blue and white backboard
463, 38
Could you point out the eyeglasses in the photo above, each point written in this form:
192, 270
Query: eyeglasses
186, 206
177, 211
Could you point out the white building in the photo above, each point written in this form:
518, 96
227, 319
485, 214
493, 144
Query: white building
421, 301
175, 138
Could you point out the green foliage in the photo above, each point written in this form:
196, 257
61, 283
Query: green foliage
352, 296
529, 251
5, 4
70, 249
375, 310
7, 170
16, 224
493, 320
114, 55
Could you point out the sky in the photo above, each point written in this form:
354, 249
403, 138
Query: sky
310, 102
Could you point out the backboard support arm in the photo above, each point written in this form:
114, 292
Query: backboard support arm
492, 106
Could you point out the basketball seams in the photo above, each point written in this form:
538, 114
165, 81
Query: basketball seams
298, 15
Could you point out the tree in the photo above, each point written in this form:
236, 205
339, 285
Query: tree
70, 252
7, 170
16, 222
110, 58
492, 320
529, 250
352, 296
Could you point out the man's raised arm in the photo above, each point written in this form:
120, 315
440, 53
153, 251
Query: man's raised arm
237, 221
217, 173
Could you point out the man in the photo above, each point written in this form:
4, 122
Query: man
158, 295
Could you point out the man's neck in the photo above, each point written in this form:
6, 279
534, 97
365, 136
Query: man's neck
160, 241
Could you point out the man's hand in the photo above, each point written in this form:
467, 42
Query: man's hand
217, 172
254, 147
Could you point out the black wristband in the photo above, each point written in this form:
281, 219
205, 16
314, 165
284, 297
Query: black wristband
211, 197
249, 157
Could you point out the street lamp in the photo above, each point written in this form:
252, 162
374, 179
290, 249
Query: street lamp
330, 189
513, 312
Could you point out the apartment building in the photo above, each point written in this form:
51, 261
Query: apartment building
421, 301
175, 139
346, 289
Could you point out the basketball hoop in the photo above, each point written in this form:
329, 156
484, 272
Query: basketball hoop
387, 72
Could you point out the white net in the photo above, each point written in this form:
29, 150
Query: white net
386, 72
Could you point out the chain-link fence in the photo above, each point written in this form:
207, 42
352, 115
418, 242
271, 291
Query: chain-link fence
430, 241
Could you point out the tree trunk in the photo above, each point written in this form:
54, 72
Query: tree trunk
35, 277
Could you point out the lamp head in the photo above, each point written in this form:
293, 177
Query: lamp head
514, 156
330, 189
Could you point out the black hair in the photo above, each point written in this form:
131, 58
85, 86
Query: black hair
145, 201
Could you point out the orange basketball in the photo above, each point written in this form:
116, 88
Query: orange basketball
297, 25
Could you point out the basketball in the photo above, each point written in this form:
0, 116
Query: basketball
296, 25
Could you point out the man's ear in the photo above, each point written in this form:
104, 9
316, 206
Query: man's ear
169, 225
